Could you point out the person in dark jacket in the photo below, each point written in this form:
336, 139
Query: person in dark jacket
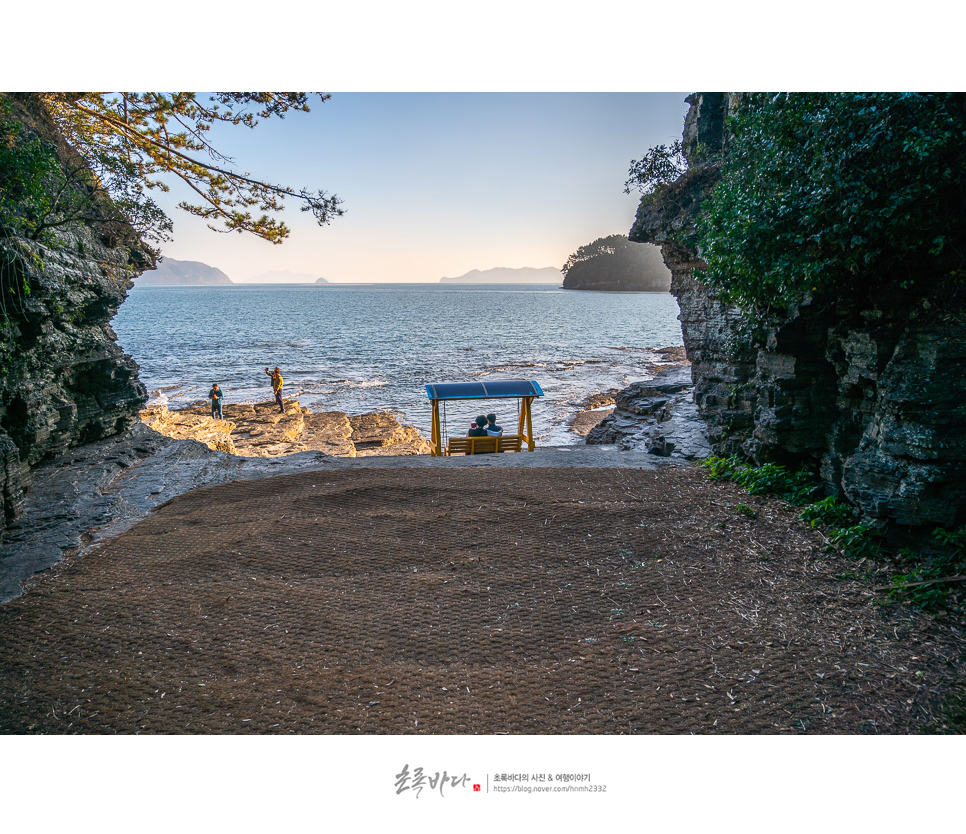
215, 395
492, 428
480, 430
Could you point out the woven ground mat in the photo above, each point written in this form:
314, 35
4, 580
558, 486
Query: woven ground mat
524, 601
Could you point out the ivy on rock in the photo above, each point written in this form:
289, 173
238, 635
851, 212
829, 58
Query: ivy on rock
825, 196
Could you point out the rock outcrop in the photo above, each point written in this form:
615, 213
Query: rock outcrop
871, 395
261, 430
657, 415
64, 379
597, 407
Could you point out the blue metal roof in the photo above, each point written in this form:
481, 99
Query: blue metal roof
492, 389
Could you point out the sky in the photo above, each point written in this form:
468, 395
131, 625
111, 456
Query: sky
437, 184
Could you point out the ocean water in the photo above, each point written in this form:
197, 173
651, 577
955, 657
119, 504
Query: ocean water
368, 347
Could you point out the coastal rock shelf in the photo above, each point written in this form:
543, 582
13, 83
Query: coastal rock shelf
261, 430
658, 416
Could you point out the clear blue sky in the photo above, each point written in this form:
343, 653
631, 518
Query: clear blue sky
437, 184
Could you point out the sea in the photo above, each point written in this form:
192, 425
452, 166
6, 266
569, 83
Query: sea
360, 348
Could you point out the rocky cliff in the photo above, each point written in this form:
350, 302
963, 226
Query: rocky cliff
870, 394
65, 381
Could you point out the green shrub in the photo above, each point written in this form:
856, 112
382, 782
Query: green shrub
720, 468
27, 166
947, 562
834, 517
768, 479
860, 541
836, 195
829, 512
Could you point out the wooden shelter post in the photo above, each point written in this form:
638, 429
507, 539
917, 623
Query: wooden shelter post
529, 419
437, 436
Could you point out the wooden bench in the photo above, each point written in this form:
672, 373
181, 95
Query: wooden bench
484, 445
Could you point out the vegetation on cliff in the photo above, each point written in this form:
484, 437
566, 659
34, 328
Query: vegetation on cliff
821, 197
817, 247
26, 163
127, 143
827, 196
661, 165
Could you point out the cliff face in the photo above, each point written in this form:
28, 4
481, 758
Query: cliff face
871, 395
65, 381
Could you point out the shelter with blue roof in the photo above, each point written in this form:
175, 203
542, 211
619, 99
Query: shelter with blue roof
523, 391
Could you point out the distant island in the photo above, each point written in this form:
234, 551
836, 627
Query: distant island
171, 272
182, 273
615, 264
508, 275
286, 276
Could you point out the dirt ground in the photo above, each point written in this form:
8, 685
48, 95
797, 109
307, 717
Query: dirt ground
459, 601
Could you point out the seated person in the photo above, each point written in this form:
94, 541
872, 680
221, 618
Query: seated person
492, 428
480, 429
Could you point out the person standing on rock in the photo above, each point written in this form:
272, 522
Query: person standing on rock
216, 395
277, 385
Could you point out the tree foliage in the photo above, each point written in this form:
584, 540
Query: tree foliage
837, 195
132, 141
41, 190
26, 164
609, 245
660, 165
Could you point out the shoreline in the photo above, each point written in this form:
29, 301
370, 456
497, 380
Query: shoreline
331, 364
100, 490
